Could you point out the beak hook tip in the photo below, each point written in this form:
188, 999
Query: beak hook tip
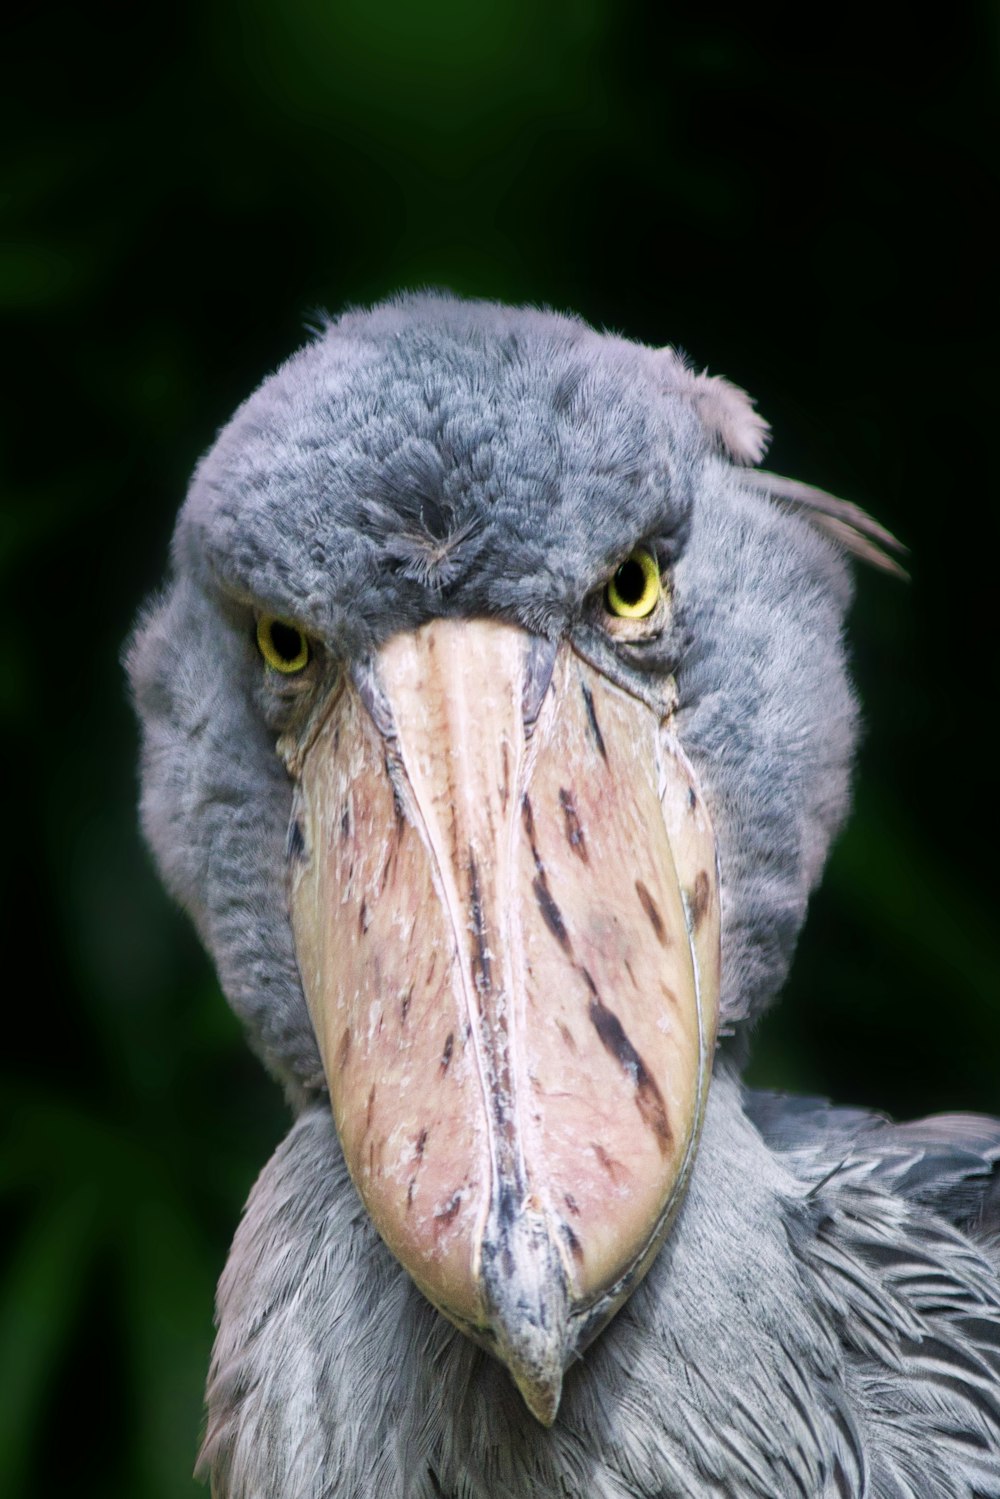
526, 1291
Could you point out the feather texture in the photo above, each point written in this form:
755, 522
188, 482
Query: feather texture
811, 1329
849, 525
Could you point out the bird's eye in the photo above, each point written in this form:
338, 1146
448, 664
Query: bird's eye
282, 645
634, 590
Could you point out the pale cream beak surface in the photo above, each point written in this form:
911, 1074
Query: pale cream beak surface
506, 916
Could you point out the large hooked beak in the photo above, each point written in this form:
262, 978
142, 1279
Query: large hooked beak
505, 904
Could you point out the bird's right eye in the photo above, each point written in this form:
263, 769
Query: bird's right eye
283, 646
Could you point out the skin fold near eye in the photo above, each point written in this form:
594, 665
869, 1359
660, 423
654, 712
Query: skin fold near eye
634, 590
283, 646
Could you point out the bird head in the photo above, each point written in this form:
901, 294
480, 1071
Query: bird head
496, 725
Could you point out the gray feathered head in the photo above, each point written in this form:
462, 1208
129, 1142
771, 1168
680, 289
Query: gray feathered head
496, 726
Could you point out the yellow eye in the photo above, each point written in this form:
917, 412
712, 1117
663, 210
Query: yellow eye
634, 591
282, 645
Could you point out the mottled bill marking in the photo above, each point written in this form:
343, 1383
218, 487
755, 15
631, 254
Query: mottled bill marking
551, 914
418, 1156
648, 1098
611, 1166
572, 1242
574, 829
567, 1036
344, 1049
505, 771
699, 900
444, 1215
595, 728
652, 911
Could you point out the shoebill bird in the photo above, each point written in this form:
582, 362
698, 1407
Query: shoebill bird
496, 726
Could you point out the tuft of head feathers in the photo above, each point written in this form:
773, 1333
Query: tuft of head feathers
724, 410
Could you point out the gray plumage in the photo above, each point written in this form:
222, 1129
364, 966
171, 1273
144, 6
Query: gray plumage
824, 1318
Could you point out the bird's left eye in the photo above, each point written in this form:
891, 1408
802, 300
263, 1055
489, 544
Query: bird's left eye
634, 590
282, 645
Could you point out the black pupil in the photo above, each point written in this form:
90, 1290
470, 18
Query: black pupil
630, 581
286, 641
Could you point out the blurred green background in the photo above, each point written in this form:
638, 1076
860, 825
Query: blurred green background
183, 187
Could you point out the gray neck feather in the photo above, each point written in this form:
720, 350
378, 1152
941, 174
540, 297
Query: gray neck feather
776, 1348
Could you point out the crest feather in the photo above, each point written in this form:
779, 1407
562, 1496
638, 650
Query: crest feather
853, 528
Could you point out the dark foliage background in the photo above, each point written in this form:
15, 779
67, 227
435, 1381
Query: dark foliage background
808, 215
